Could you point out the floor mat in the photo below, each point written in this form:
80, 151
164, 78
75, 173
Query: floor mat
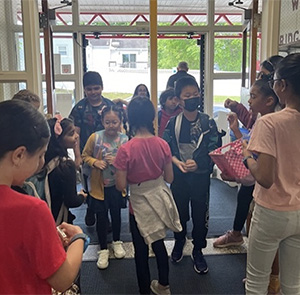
224, 277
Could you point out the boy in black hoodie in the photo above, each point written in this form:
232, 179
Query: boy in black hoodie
191, 136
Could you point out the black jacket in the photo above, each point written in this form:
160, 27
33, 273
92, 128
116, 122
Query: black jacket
177, 76
209, 143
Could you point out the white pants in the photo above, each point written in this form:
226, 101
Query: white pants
271, 230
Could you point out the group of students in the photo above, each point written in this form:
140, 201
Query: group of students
144, 164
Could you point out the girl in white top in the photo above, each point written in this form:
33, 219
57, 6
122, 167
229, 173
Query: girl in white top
276, 217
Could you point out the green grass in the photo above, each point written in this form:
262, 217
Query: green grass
114, 95
219, 99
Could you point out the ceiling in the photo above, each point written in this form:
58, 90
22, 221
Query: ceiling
142, 6
116, 12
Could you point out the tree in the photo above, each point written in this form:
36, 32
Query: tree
227, 55
172, 51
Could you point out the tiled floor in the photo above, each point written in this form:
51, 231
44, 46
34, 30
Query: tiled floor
91, 252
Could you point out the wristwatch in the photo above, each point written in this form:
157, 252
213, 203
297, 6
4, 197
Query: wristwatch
245, 160
82, 236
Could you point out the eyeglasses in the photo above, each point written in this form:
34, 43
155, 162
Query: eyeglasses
272, 82
264, 76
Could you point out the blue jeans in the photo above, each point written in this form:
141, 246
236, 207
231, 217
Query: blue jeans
271, 230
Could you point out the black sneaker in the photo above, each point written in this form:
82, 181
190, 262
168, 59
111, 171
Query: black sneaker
177, 254
89, 217
200, 265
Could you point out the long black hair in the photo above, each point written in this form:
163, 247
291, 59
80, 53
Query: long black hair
270, 65
55, 147
289, 70
135, 93
21, 125
141, 114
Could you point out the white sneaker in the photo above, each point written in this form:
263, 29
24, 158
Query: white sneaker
159, 289
102, 262
118, 249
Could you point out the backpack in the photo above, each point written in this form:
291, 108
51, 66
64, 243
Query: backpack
38, 186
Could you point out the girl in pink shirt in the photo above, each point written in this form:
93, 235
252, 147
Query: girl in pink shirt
145, 163
275, 223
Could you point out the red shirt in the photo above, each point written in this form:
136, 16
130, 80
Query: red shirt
30, 248
143, 158
165, 117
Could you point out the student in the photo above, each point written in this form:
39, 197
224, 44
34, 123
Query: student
191, 135
99, 153
32, 255
267, 68
27, 95
141, 90
263, 100
86, 115
63, 180
170, 108
145, 163
275, 221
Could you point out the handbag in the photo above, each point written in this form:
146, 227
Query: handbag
229, 159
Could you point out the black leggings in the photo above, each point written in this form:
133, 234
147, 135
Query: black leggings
244, 199
141, 257
112, 202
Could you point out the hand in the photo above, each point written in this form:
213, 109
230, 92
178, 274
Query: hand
109, 158
191, 165
182, 167
83, 193
100, 164
230, 104
70, 230
233, 121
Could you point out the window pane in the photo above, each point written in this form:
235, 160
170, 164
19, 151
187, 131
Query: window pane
224, 89
8, 90
228, 52
65, 97
11, 36
63, 53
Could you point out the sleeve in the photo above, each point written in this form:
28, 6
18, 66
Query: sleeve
167, 151
246, 117
88, 151
121, 159
263, 138
169, 83
213, 136
167, 135
41, 241
69, 180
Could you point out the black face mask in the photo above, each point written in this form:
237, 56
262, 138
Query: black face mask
192, 103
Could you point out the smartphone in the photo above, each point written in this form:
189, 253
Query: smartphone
61, 232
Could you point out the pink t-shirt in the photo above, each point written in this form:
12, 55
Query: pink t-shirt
30, 249
143, 158
278, 135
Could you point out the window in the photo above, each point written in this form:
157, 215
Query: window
62, 50
129, 60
